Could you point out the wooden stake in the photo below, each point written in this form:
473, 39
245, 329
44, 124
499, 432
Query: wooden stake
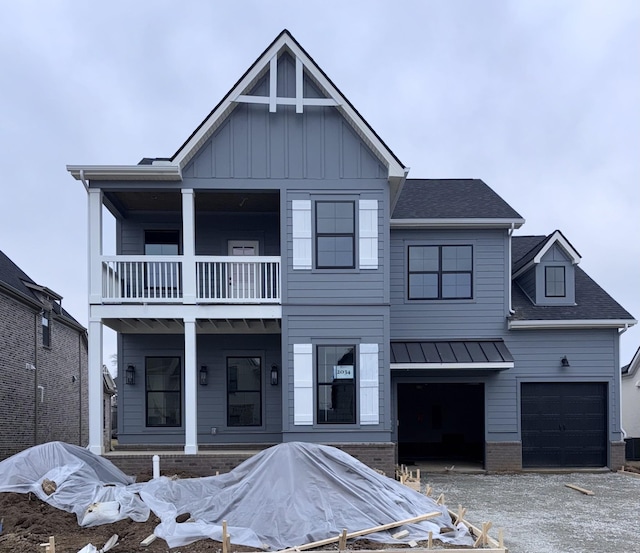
359, 533
460, 514
342, 544
440, 500
483, 538
430, 540
225, 538
428, 491
50, 546
500, 538
578, 488
148, 540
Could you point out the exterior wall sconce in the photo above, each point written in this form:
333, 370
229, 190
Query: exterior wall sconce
130, 375
274, 375
564, 362
203, 375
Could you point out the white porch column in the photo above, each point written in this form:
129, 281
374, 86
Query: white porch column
94, 383
190, 389
188, 247
94, 244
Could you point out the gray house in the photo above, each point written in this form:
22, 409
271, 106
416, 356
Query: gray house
279, 278
43, 366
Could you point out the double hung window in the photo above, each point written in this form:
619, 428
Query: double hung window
554, 282
335, 235
440, 272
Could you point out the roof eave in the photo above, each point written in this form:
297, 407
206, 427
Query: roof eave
159, 172
538, 324
457, 223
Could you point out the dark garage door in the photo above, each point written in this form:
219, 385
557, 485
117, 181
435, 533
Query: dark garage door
564, 424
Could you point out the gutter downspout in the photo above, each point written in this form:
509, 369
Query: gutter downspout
84, 181
620, 333
511, 311
35, 380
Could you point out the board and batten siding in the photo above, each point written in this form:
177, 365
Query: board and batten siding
212, 351
482, 316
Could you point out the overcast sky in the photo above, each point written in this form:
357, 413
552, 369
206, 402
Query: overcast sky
540, 99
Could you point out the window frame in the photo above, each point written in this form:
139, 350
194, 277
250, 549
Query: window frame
554, 281
236, 390
46, 329
440, 273
164, 391
319, 385
319, 235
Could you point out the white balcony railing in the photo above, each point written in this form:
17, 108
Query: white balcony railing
159, 279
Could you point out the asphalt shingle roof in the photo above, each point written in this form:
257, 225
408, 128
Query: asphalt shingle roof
451, 199
14, 277
592, 302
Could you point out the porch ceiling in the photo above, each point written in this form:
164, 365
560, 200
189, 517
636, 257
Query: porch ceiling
171, 200
203, 326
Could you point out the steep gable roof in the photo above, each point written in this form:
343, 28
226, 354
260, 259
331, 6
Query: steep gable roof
266, 65
455, 202
525, 259
15, 281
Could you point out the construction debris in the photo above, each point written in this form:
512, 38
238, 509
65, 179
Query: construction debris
579, 489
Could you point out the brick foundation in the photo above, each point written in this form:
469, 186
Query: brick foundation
616, 455
208, 462
503, 456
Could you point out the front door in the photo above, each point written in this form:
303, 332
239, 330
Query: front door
243, 275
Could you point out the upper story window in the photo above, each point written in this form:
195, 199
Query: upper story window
161, 242
46, 330
336, 385
163, 387
440, 272
554, 282
335, 235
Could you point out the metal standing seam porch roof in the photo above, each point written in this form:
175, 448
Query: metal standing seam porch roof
451, 354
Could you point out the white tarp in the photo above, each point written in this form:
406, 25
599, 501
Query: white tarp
287, 495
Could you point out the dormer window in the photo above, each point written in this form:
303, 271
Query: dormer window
554, 282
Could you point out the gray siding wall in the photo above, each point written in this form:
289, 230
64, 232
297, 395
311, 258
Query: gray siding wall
483, 316
212, 351
528, 283
593, 356
330, 325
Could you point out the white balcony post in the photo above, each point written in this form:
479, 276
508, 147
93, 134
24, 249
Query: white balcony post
188, 247
190, 389
94, 244
95, 385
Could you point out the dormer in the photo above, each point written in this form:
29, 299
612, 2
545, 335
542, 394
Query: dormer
546, 274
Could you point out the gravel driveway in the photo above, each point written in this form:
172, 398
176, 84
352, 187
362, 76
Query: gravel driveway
539, 514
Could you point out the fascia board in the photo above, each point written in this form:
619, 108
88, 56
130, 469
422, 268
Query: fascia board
571, 324
125, 172
564, 243
449, 366
456, 223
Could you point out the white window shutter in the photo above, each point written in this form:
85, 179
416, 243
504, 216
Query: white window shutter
302, 384
301, 230
369, 396
368, 233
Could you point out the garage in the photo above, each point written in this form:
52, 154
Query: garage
564, 424
440, 421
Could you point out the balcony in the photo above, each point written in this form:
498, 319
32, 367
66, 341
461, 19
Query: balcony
210, 279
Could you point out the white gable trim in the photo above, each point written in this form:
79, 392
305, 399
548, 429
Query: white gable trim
558, 238
266, 62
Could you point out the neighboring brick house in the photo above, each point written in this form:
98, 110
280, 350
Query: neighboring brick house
279, 278
43, 366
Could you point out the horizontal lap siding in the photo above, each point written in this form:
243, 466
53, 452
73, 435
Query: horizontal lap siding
484, 316
335, 325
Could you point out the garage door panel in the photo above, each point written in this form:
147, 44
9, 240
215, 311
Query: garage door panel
564, 424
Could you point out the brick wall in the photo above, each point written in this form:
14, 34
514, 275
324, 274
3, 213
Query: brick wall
60, 406
208, 463
503, 456
17, 383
